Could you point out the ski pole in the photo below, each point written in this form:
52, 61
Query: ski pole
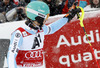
82, 25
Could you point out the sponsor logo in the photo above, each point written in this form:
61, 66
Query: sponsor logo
93, 37
87, 56
34, 54
32, 65
41, 15
14, 47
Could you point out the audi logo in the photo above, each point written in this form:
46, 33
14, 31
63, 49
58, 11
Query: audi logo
34, 54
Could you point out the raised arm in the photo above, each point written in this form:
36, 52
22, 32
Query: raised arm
50, 29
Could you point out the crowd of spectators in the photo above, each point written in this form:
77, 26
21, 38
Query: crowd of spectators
8, 7
94, 6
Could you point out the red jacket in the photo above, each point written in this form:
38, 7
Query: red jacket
65, 9
16, 2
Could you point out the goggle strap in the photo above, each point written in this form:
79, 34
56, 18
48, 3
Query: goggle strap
36, 12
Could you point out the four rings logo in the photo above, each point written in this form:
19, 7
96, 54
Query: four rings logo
34, 54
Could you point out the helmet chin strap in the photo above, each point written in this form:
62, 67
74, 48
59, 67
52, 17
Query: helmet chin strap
30, 24
40, 20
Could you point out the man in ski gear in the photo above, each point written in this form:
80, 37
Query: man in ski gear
26, 45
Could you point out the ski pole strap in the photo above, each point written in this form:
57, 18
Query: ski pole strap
81, 17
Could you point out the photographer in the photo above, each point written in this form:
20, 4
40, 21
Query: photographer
17, 13
5, 6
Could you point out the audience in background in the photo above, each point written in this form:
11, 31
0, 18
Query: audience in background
94, 5
52, 6
83, 3
60, 6
67, 5
5, 6
56, 7
17, 13
70, 3
15, 1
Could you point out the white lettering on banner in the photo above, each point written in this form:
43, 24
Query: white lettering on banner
97, 36
62, 37
80, 39
67, 62
73, 59
33, 54
87, 56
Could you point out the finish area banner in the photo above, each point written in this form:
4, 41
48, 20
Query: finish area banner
69, 48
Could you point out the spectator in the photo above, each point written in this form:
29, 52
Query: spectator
16, 1
5, 6
52, 6
55, 6
68, 4
16, 14
94, 5
83, 3
20, 14
60, 4
27, 1
22, 4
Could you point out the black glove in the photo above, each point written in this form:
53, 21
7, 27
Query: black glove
72, 13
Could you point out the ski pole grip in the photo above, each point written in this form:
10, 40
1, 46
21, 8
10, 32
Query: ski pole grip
73, 6
76, 3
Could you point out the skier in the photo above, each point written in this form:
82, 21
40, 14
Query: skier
26, 45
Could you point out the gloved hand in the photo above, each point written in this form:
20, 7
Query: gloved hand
72, 12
